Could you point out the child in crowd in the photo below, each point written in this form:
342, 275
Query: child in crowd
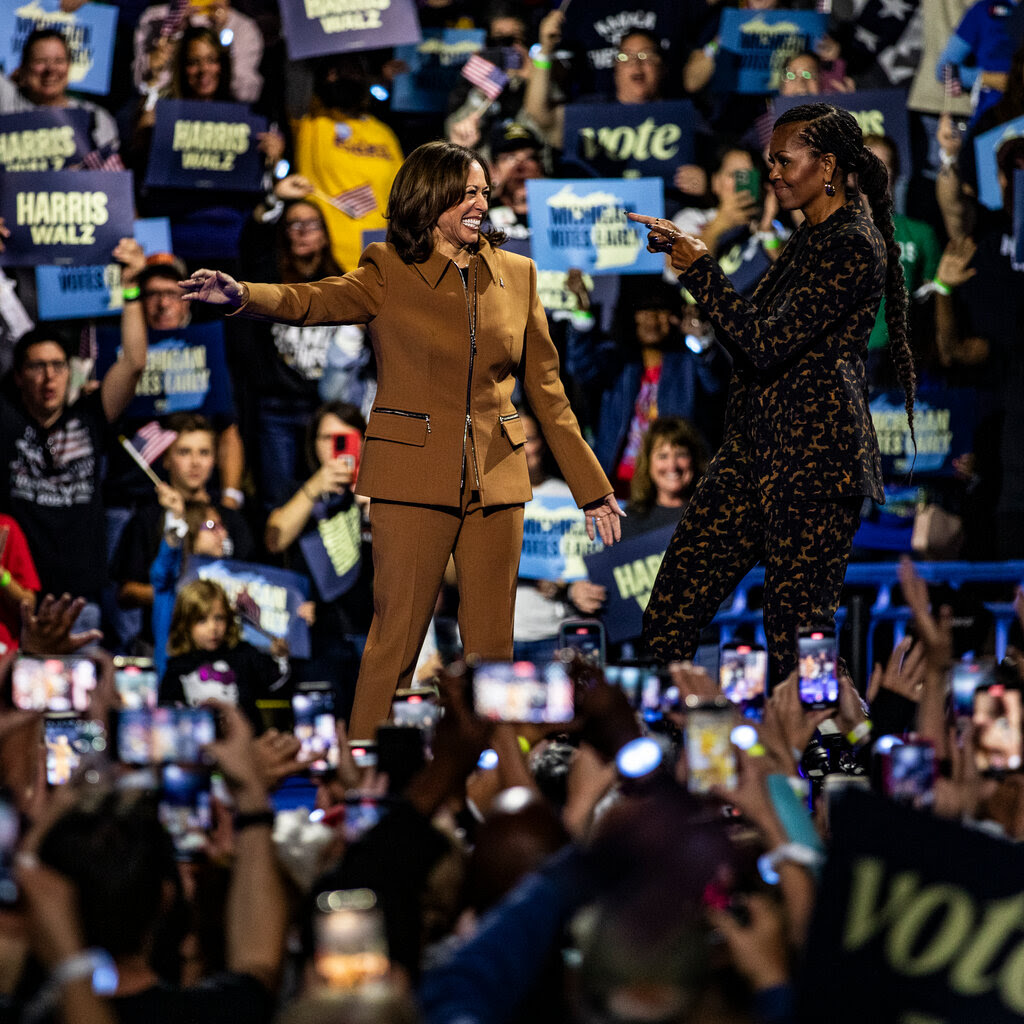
209, 660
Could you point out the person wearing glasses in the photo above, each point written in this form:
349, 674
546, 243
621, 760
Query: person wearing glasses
51, 439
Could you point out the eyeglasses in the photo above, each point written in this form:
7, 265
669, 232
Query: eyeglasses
300, 227
59, 63
40, 366
640, 57
792, 76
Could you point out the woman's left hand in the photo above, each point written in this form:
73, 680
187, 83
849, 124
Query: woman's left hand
603, 515
271, 144
664, 236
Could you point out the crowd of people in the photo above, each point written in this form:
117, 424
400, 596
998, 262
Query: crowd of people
334, 834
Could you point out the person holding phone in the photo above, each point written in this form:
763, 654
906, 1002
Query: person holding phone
452, 319
800, 452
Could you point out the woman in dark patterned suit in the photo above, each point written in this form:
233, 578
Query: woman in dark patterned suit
800, 451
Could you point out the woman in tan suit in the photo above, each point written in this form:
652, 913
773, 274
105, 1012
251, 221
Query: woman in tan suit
452, 319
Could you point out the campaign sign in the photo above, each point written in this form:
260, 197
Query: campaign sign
46, 139
73, 293
64, 217
333, 548
760, 42
878, 112
581, 222
554, 539
434, 66
917, 919
627, 571
271, 597
315, 27
89, 32
186, 370
944, 423
634, 140
197, 144
986, 146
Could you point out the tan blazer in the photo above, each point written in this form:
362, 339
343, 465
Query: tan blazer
419, 318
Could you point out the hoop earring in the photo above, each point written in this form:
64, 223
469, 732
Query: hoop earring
830, 189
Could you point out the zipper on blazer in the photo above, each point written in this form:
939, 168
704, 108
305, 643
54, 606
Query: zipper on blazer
425, 416
508, 416
466, 432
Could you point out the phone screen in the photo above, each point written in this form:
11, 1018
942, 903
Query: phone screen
909, 772
68, 741
742, 673
10, 834
966, 678
316, 729
52, 684
710, 758
817, 653
521, 691
997, 729
163, 735
585, 636
184, 807
632, 680
136, 684
418, 709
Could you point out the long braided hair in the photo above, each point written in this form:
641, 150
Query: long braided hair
829, 129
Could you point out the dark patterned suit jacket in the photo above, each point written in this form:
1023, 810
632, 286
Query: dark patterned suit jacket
798, 409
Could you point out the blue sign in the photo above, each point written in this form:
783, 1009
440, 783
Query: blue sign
644, 139
267, 595
986, 146
434, 68
315, 27
204, 145
581, 222
554, 539
186, 371
46, 139
944, 423
627, 571
69, 218
759, 42
333, 547
73, 293
878, 112
89, 32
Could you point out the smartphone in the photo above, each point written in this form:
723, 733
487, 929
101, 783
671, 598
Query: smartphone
817, 654
997, 728
347, 447
585, 636
632, 680
350, 941
743, 675
967, 677
164, 735
748, 181
10, 836
136, 682
316, 729
521, 691
710, 758
416, 707
908, 772
401, 753
68, 741
52, 684
363, 754
184, 807
835, 784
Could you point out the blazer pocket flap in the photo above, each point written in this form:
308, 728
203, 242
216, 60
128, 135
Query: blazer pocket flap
514, 431
405, 428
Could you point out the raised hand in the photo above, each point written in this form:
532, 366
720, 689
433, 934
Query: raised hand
214, 287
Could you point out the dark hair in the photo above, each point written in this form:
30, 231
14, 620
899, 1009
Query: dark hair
326, 265
179, 88
809, 54
37, 336
432, 180
890, 144
187, 422
1011, 103
345, 411
828, 129
341, 81
676, 431
1010, 158
39, 35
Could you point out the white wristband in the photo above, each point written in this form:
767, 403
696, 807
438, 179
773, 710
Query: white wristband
234, 494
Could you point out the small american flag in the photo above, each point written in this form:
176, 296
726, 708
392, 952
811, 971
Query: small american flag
247, 608
356, 202
951, 81
487, 77
172, 20
151, 441
106, 158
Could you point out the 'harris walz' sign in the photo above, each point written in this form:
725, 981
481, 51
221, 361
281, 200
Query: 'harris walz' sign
315, 27
205, 145
630, 139
64, 217
918, 921
47, 139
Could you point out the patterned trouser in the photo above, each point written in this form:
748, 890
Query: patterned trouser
727, 528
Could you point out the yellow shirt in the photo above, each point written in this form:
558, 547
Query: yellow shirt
340, 153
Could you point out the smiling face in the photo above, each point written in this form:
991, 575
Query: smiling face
801, 77
459, 225
162, 304
798, 176
202, 69
44, 75
671, 471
